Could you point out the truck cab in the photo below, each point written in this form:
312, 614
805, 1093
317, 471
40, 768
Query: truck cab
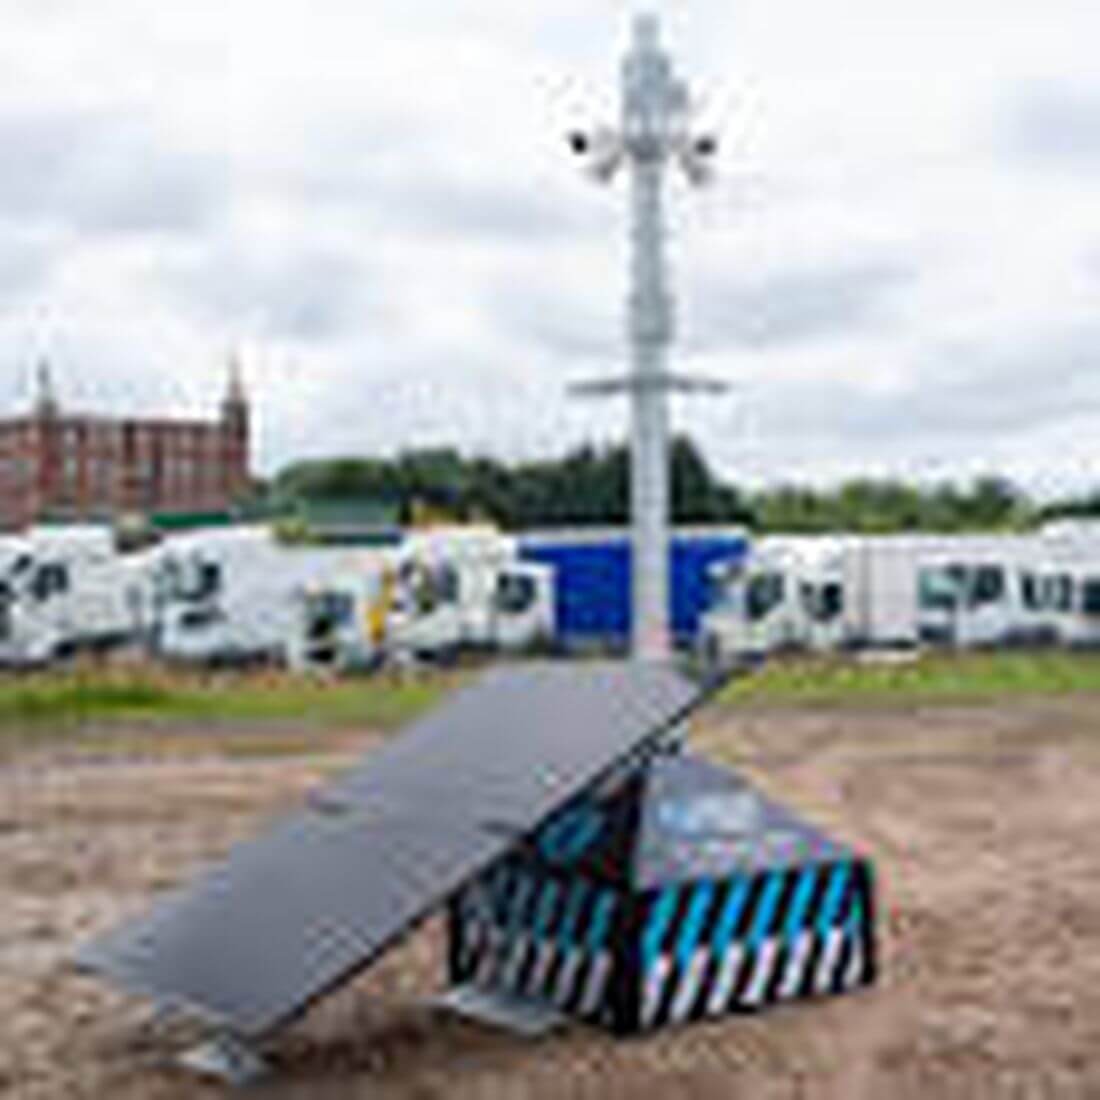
786, 597
1064, 595
423, 600
339, 621
522, 606
226, 596
63, 589
189, 620
441, 606
973, 602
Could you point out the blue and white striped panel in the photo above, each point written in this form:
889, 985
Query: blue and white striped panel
481, 911
543, 937
516, 942
831, 930
763, 943
727, 949
598, 951
714, 947
561, 977
541, 945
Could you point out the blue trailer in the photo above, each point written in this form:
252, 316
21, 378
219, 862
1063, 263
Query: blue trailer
592, 579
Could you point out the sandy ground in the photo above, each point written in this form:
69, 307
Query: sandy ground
983, 823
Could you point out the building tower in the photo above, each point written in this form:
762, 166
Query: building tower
235, 421
45, 400
46, 447
652, 136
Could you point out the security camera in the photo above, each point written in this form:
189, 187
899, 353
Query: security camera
601, 150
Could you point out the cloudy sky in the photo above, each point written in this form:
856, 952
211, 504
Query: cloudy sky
898, 270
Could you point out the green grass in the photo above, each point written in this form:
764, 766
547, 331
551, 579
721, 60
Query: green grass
52, 705
935, 678
59, 701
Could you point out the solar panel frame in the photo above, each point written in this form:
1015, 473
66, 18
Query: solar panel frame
644, 703
421, 872
313, 947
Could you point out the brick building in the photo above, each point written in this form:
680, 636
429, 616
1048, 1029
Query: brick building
60, 465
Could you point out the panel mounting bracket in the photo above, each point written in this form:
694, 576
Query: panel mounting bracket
500, 1009
226, 1058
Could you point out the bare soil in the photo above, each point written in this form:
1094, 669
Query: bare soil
983, 823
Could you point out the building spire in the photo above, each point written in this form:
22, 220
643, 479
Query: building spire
234, 392
45, 396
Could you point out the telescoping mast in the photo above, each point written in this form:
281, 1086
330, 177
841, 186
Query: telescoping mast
654, 136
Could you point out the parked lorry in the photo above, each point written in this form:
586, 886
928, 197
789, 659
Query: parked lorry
804, 593
239, 595
592, 579
1062, 597
971, 592
339, 621
229, 596
64, 589
837, 592
439, 592
467, 588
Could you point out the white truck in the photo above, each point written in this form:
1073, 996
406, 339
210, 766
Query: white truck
971, 592
1061, 592
239, 595
63, 590
849, 591
818, 593
439, 592
339, 619
466, 588
230, 596
1079, 626
783, 596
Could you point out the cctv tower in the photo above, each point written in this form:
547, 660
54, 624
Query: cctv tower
653, 136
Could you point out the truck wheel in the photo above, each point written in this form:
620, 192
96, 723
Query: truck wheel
710, 652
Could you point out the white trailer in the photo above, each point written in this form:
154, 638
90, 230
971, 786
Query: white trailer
439, 592
834, 592
1080, 626
230, 596
466, 588
973, 589
1061, 591
507, 607
757, 606
339, 620
64, 589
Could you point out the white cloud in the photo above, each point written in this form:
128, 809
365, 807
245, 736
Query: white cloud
897, 269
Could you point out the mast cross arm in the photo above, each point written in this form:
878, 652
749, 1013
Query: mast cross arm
661, 383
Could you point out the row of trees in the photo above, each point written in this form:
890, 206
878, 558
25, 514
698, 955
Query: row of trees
591, 486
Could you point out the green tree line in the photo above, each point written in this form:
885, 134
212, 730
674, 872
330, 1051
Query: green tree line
590, 486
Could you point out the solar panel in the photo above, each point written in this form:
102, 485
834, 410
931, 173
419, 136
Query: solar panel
289, 916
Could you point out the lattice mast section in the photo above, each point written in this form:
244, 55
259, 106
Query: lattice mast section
653, 137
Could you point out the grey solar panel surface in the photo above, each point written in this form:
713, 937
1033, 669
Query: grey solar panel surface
292, 914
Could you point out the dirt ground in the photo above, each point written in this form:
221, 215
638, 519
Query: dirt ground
983, 823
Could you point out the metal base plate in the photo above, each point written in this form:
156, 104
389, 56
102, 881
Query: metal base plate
227, 1059
501, 1010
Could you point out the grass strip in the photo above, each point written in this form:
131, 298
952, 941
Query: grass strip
928, 679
